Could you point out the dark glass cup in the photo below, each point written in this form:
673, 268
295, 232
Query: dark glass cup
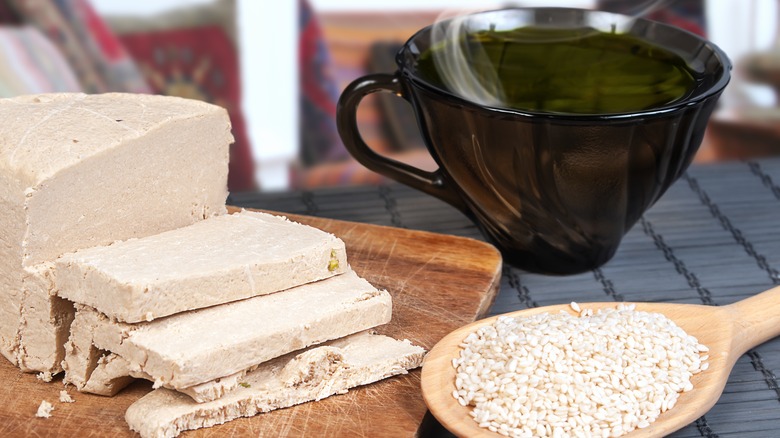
555, 193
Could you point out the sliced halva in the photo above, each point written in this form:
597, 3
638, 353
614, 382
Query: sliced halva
222, 259
112, 373
293, 379
194, 347
97, 371
78, 171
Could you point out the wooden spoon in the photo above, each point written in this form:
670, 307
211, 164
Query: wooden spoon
728, 331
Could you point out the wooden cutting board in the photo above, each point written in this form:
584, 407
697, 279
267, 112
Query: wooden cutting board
438, 284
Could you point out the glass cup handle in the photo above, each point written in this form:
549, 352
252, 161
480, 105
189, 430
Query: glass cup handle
431, 183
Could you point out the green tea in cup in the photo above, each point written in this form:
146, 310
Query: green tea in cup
574, 71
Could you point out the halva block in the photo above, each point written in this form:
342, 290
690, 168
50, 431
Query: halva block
78, 171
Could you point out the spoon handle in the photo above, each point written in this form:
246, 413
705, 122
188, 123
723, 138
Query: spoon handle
757, 319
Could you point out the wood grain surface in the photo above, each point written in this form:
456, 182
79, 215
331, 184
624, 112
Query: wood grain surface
438, 284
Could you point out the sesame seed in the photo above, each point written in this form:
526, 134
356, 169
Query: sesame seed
602, 373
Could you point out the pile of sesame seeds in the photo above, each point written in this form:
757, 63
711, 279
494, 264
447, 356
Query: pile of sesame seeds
602, 373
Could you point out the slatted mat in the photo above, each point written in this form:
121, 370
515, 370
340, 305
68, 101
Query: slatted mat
713, 238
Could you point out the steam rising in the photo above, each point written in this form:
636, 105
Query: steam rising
454, 63
456, 59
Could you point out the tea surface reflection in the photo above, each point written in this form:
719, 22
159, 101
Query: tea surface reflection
574, 71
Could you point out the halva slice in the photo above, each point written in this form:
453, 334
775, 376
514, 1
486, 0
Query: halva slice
219, 260
105, 373
293, 379
194, 347
80, 170
113, 373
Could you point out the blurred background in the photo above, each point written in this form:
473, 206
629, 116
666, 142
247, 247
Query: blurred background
278, 67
